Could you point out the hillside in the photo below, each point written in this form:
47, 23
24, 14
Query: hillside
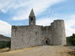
41, 51
4, 38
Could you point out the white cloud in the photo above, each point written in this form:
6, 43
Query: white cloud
5, 28
4, 5
21, 15
38, 6
44, 21
69, 24
42, 5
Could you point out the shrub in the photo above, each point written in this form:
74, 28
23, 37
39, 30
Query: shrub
4, 44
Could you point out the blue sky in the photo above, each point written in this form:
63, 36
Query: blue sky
16, 12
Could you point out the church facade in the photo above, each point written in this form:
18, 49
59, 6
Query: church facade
35, 35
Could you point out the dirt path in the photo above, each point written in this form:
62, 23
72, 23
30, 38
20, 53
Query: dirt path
40, 51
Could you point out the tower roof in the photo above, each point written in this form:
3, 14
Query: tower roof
32, 13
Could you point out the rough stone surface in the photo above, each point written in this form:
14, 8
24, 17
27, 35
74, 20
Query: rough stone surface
34, 35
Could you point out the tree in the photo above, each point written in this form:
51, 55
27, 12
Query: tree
72, 39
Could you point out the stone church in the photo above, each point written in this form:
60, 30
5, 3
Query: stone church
35, 35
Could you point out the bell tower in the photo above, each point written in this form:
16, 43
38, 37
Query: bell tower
32, 18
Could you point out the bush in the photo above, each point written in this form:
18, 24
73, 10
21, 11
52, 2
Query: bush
4, 44
72, 39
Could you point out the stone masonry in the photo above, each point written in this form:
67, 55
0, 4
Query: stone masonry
35, 35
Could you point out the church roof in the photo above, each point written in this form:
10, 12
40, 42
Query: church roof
32, 13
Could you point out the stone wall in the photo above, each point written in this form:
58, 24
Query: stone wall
47, 35
34, 35
27, 36
58, 32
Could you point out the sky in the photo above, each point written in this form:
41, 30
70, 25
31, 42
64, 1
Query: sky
16, 12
